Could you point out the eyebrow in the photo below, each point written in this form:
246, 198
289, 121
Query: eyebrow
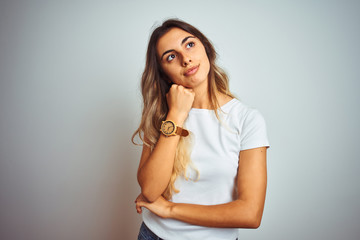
182, 42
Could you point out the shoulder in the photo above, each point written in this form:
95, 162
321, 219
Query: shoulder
241, 111
252, 126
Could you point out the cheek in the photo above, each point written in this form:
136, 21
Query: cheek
169, 71
206, 63
204, 57
172, 72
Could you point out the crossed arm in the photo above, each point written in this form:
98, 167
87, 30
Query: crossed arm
245, 212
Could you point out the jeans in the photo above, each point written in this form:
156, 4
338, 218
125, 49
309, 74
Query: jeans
146, 234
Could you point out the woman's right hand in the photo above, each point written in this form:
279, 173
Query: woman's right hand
180, 101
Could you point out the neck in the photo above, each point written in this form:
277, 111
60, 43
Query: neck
201, 99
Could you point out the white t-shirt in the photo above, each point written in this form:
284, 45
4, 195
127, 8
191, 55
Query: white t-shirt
215, 154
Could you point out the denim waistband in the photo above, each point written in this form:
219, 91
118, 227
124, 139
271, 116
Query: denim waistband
147, 234
144, 230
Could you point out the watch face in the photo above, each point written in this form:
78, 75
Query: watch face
168, 127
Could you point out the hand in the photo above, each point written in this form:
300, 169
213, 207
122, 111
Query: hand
180, 101
139, 198
160, 207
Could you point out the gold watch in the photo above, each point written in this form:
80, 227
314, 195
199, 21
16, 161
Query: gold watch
169, 128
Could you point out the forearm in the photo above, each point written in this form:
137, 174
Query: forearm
236, 214
154, 175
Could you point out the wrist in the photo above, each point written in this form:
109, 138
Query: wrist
170, 128
178, 118
171, 210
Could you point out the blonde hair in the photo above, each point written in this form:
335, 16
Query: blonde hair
154, 86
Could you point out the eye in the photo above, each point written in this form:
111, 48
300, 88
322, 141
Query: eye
190, 45
170, 57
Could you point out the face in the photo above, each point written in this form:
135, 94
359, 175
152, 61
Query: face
183, 58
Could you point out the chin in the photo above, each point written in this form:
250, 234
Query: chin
196, 83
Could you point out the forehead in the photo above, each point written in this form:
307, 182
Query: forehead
171, 40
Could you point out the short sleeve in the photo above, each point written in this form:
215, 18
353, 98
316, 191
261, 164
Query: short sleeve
253, 132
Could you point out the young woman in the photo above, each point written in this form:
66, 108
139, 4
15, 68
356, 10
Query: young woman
202, 170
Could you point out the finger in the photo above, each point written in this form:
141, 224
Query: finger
174, 86
138, 208
188, 90
139, 205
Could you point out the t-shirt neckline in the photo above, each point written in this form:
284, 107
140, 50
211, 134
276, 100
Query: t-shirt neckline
223, 107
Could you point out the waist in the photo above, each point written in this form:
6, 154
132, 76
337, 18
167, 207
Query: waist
146, 233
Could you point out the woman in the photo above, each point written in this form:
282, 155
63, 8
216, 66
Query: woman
202, 170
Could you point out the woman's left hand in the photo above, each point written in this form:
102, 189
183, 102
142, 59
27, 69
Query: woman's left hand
160, 207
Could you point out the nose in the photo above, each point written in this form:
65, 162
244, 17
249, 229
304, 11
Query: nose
186, 60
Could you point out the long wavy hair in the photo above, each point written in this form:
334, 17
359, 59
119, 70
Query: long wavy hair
154, 86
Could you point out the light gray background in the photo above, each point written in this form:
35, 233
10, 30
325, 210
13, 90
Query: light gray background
70, 101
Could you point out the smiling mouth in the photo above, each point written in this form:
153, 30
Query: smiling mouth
191, 71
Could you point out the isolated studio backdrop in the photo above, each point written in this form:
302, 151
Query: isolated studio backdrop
70, 101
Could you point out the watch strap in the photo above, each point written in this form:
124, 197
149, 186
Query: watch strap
181, 131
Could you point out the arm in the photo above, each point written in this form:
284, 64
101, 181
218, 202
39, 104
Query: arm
155, 167
245, 212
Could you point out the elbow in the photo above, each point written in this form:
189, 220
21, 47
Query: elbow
256, 215
250, 223
149, 195
151, 191
255, 220
255, 223
250, 219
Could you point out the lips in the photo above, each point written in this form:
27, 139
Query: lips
191, 71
